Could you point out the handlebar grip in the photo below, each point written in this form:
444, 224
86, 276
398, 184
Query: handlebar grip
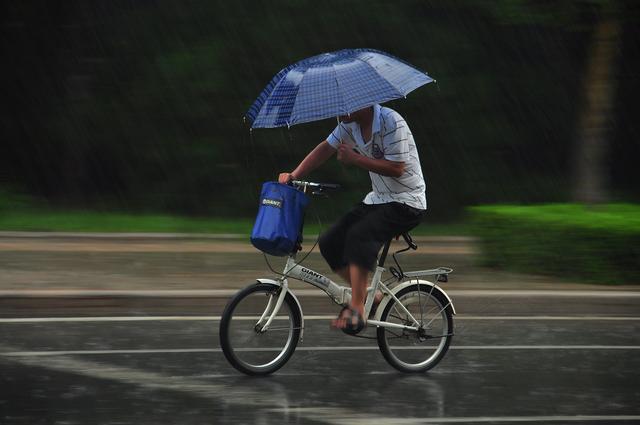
313, 185
330, 185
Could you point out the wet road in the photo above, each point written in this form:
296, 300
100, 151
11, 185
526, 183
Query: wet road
516, 358
138, 343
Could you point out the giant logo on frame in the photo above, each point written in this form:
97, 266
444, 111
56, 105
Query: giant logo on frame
313, 277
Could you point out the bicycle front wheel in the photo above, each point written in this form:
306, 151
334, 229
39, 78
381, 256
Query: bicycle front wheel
416, 350
247, 345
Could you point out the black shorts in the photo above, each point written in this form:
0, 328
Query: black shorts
357, 237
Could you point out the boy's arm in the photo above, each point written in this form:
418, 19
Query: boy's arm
383, 167
318, 156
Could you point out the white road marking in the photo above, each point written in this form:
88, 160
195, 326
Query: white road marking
107, 319
212, 293
336, 415
543, 317
543, 293
310, 317
321, 348
463, 292
133, 319
100, 352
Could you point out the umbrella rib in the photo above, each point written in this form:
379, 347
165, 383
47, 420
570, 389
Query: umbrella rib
293, 107
263, 108
267, 91
402, 93
279, 83
335, 75
381, 76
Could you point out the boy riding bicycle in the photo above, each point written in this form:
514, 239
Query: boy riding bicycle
376, 139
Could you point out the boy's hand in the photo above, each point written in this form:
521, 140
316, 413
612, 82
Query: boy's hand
285, 178
346, 154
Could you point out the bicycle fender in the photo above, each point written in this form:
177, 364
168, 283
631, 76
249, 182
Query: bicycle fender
408, 283
276, 283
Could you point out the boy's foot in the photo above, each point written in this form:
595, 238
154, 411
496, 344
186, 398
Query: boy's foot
349, 320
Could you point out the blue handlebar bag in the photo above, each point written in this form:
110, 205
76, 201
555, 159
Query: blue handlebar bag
278, 226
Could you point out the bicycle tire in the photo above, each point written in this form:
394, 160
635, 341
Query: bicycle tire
240, 316
442, 331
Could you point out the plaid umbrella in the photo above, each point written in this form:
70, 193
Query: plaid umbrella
333, 84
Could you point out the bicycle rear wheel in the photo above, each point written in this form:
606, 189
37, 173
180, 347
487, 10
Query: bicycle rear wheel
416, 351
246, 346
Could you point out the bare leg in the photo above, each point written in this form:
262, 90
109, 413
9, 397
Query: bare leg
344, 273
363, 280
357, 276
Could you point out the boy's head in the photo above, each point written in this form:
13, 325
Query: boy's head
359, 115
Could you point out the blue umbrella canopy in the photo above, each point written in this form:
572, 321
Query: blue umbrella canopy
333, 84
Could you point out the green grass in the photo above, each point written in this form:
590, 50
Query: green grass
23, 214
577, 242
612, 217
88, 221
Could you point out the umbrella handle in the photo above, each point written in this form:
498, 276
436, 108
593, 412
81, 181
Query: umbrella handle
353, 145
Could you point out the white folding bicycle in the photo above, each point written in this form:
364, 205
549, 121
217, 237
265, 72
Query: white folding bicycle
262, 323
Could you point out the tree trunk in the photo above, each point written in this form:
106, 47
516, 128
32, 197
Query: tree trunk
592, 145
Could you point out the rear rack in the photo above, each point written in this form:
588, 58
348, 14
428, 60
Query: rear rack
440, 272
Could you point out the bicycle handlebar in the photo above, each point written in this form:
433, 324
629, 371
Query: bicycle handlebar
316, 188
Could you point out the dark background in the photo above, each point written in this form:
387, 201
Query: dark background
138, 105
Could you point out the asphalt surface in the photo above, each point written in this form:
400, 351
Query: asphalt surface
528, 368
96, 334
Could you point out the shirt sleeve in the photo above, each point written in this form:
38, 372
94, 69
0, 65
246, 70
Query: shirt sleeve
395, 140
338, 135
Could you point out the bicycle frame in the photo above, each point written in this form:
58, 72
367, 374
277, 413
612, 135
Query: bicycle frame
340, 294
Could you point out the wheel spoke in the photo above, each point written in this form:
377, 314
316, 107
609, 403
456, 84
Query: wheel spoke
247, 348
395, 335
280, 329
416, 351
402, 319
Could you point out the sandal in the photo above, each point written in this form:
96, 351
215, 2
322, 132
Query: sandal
349, 327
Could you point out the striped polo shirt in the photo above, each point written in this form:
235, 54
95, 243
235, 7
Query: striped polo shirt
391, 139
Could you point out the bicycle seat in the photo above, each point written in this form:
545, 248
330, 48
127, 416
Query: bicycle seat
408, 239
